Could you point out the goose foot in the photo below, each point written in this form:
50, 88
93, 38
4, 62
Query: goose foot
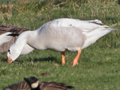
75, 62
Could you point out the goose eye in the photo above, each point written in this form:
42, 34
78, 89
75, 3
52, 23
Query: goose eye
9, 51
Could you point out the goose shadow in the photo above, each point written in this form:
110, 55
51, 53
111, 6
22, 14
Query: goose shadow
47, 59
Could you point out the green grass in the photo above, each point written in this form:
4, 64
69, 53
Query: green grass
98, 67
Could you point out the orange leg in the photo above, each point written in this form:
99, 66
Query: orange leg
75, 61
63, 58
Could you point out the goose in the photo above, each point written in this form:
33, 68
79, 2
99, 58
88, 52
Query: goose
8, 35
32, 83
61, 35
35, 84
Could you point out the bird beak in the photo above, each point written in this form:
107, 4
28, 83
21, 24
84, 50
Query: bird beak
9, 60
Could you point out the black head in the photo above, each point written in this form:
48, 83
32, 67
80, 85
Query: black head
32, 81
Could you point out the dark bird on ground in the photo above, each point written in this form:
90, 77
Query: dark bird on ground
35, 84
32, 83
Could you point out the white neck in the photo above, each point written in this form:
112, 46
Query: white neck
17, 48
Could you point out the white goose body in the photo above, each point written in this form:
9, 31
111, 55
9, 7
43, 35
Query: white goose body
61, 35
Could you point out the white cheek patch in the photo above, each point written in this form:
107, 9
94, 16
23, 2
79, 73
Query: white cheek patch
35, 85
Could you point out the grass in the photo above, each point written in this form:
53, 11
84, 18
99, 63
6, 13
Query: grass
98, 67
97, 70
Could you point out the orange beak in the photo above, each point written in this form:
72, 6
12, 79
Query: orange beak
9, 60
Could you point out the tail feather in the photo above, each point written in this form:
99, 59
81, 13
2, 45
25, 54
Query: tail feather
112, 29
96, 22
